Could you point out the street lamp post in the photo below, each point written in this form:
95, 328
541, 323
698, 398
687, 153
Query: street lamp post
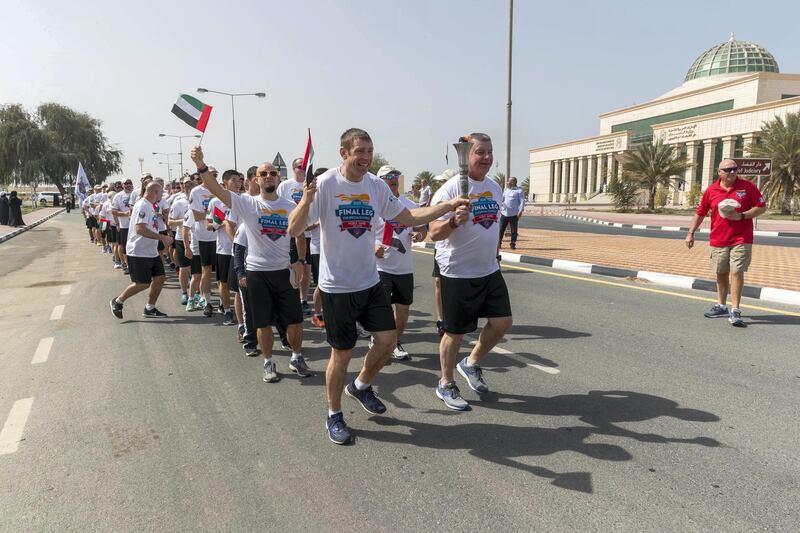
141, 165
169, 171
180, 144
233, 113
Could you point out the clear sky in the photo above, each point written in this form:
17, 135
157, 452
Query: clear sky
415, 74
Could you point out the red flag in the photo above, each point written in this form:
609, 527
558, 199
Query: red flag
219, 215
388, 234
308, 159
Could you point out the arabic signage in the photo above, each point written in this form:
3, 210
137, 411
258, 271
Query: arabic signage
752, 166
607, 145
679, 133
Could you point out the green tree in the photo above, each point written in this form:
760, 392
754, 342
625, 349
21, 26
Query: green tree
424, 175
694, 195
377, 162
500, 178
779, 140
624, 192
652, 165
48, 145
526, 187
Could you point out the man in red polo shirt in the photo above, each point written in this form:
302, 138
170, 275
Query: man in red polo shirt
731, 236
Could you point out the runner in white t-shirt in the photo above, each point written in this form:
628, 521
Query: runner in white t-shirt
217, 215
472, 284
292, 189
269, 270
191, 251
347, 201
238, 279
177, 213
146, 267
199, 200
122, 210
395, 260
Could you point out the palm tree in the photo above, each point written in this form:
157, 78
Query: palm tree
500, 178
779, 140
652, 165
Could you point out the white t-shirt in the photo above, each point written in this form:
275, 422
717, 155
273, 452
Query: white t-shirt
347, 213
240, 237
314, 248
163, 205
105, 213
266, 223
95, 200
121, 202
138, 246
178, 211
199, 199
425, 195
471, 249
400, 259
189, 223
291, 189
134, 197
224, 243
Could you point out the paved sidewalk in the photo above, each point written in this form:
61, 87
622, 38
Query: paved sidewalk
32, 219
773, 266
677, 220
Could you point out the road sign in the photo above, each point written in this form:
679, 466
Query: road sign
280, 164
754, 166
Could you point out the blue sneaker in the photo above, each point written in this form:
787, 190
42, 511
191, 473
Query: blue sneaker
474, 376
184, 298
451, 397
735, 318
366, 398
716, 310
338, 432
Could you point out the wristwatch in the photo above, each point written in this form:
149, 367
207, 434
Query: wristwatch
302, 261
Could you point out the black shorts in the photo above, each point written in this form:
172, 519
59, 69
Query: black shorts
183, 261
272, 296
160, 242
464, 301
340, 311
224, 267
144, 269
91, 222
197, 267
208, 253
399, 287
233, 281
111, 234
293, 250
122, 238
315, 268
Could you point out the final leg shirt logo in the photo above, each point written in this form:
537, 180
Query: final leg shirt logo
355, 213
274, 224
484, 209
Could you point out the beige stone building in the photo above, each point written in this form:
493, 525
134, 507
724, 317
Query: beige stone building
727, 95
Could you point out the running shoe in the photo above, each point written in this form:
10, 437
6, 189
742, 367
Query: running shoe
451, 397
400, 354
361, 332
338, 432
125, 270
307, 311
191, 306
318, 321
285, 346
299, 367
474, 376
153, 313
735, 318
117, 265
208, 311
184, 298
116, 308
251, 351
366, 398
271, 373
440, 327
240, 333
716, 310
229, 319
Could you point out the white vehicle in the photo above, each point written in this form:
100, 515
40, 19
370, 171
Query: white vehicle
49, 198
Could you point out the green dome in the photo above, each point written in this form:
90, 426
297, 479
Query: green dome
731, 57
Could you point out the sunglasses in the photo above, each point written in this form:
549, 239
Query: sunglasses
731, 170
265, 173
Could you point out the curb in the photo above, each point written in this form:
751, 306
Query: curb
685, 282
23, 229
759, 233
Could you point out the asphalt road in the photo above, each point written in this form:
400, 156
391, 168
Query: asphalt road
615, 407
557, 223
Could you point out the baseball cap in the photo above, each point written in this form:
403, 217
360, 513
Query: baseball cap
385, 171
212, 169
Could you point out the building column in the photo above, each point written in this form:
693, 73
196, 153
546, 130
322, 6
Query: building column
747, 140
559, 175
551, 190
593, 173
567, 180
581, 189
575, 168
728, 146
612, 176
709, 173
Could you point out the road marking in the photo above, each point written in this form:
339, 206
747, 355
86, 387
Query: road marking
636, 288
42, 351
545, 369
66, 290
57, 312
12, 430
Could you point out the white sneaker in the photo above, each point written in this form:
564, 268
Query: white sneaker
400, 354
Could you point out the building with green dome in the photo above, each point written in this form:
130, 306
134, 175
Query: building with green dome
729, 91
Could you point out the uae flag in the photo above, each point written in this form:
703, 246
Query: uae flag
308, 159
218, 215
192, 111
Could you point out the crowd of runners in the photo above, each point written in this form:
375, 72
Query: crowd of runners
344, 232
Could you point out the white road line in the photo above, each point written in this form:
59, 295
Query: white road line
545, 369
12, 430
42, 351
66, 290
57, 312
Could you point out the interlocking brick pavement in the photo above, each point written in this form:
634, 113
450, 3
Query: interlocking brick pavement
772, 266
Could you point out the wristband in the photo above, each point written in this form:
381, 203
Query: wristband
301, 261
451, 223
202, 170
